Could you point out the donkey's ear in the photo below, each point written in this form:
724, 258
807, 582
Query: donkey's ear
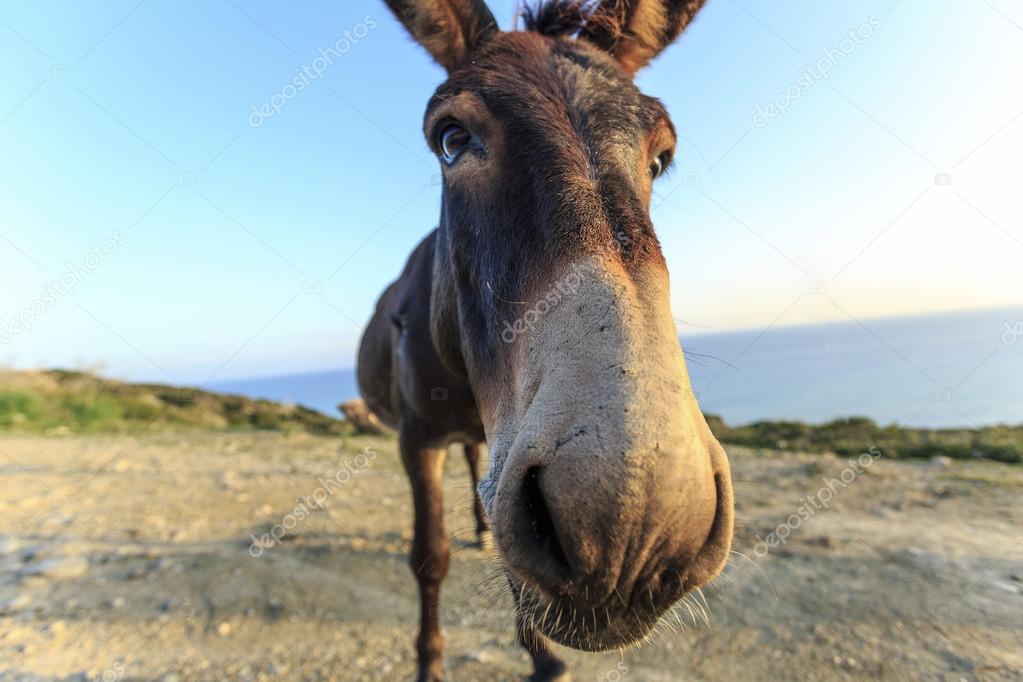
449, 29
636, 31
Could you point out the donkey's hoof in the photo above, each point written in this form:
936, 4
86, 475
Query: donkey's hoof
430, 673
552, 671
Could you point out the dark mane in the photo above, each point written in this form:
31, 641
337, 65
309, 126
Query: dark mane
568, 18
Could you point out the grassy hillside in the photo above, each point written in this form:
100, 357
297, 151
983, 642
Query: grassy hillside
853, 436
59, 401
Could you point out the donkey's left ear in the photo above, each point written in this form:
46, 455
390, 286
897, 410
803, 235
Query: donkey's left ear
449, 29
636, 31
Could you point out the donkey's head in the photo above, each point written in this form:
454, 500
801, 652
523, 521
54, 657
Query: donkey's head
608, 496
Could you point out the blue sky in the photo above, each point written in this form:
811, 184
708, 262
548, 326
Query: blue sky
192, 243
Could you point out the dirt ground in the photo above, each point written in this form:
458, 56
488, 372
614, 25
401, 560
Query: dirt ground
133, 559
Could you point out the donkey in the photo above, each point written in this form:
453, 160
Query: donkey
535, 318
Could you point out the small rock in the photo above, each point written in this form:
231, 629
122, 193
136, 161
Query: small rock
224, 629
1007, 587
59, 569
22, 601
274, 608
361, 418
941, 461
75, 548
53, 523
135, 572
10, 545
229, 480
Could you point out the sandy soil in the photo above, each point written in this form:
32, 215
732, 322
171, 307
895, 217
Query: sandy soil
126, 559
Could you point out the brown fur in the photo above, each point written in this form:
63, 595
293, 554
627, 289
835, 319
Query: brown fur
605, 490
449, 29
634, 31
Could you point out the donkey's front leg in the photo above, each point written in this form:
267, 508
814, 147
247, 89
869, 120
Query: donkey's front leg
472, 457
546, 666
430, 550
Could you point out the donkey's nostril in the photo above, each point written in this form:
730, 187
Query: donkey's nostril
544, 533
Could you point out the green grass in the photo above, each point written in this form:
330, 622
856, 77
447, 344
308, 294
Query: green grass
856, 435
17, 407
58, 401
63, 401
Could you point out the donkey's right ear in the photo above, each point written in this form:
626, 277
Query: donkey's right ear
450, 30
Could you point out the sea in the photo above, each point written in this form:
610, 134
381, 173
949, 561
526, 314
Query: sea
946, 370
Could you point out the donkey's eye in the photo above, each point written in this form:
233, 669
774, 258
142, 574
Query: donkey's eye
452, 141
659, 164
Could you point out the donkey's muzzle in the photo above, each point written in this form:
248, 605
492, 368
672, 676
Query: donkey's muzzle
612, 498
599, 553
